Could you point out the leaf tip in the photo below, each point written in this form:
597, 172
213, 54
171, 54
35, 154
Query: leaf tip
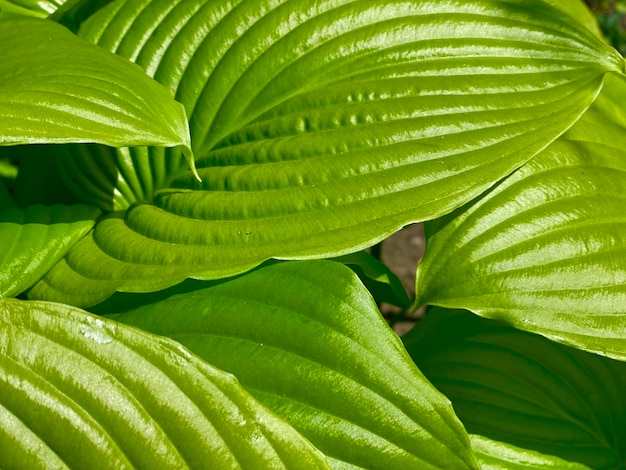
188, 153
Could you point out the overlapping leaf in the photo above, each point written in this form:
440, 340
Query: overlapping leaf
306, 339
496, 455
544, 251
323, 127
84, 392
55, 87
37, 8
524, 390
35, 239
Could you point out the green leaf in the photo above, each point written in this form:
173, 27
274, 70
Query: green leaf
37, 8
84, 392
324, 127
55, 88
113, 179
578, 10
524, 390
382, 283
495, 455
6, 200
605, 121
7, 169
544, 251
39, 180
35, 239
306, 339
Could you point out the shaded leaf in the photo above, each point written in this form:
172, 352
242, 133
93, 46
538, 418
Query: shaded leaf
382, 283
306, 339
323, 127
35, 239
524, 390
86, 392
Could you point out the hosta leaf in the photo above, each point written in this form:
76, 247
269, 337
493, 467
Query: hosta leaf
579, 11
382, 283
113, 179
544, 251
35, 239
524, 390
323, 127
495, 455
37, 8
86, 392
605, 121
38, 180
55, 87
6, 200
306, 339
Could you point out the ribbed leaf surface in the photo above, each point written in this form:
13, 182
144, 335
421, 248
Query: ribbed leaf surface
495, 455
113, 179
306, 339
544, 251
524, 390
37, 8
85, 392
35, 239
55, 87
323, 127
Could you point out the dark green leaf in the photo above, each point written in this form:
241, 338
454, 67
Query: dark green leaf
524, 390
382, 283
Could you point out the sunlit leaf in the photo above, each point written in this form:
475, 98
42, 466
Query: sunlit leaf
495, 455
55, 88
323, 127
544, 251
35, 239
84, 392
306, 339
524, 390
37, 8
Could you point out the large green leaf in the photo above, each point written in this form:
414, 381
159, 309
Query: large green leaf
55, 87
524, 390
35, 239
84, 392
545, 250
323, 127
306, 339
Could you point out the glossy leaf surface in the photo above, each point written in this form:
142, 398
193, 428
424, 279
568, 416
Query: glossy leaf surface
523, 389
544, 251
35, 239
323, 127
55, 88
37, 8
84, 392
306, 339
495, 455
